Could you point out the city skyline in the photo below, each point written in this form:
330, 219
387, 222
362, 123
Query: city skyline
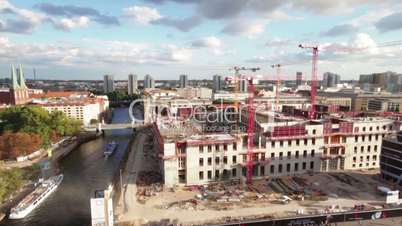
166, 38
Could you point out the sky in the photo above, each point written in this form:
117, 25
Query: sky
78, 39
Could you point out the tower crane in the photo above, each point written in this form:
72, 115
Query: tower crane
313, 93
278, 84
250, 120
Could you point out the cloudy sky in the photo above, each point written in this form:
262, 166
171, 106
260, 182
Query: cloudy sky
78, 39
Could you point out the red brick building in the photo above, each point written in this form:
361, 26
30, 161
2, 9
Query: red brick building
17, 94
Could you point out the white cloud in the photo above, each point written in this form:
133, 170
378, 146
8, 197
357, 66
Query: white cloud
92, 53
67, 24
142, 14
243, 27
208, 42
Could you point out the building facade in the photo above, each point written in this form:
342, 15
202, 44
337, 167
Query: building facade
18, 92
217, 83
108, 83
391, 159
183, 81
149, 82
330, 79
132, 84
299, 78
282, 149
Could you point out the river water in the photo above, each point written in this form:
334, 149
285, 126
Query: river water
85, 170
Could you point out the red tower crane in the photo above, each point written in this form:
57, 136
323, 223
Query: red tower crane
250, 120
313, 93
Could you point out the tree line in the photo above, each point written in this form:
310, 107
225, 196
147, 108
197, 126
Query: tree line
25, 129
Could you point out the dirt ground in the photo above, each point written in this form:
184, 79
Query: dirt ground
332, 192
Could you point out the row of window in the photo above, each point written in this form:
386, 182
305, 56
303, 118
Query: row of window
363, 137
256, 157
367, 164
272, 169
374, 158
384, 127
297, 142
375, 147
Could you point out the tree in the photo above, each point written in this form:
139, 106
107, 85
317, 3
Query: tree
17, 144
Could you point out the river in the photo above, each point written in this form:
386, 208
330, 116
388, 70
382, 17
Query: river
85, 170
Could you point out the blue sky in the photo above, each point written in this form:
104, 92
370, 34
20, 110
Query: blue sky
86, 39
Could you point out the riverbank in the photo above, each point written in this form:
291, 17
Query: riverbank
57, 154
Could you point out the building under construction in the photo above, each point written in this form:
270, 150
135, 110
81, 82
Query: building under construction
194, 151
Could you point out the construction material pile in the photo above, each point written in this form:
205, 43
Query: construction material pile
146, 178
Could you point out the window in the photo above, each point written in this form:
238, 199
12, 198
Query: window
305, 141
384, 127
217, 174
272, 169
368, 148
217, 160
225, 160
296, 167
375, 148
281, 143
201, 175
311, 165
354, 159
369, 137
244, 158
262, 170
209, 161
272, 155
371, 128
314, 131
376, 137
201, 148
297, 154
361, 158
364, 129
289, 143
354, 165
355, 150
368, 157
304, 153
217, 147
356, 138
313, 141
280, 168
378, 128
312, 153
234, 173
209, 174
262, 156
304, 164
280, 155
288, 167
209, 148
289, 154
234, 160
374, 157
234, 146
273, 144
361, 149
201, 162
297, 142
363, 138
225, 147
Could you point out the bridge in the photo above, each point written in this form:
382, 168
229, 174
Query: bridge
113, 126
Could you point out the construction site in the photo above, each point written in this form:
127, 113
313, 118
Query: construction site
208, 162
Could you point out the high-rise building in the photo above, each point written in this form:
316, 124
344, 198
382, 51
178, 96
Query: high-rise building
149, 82
108, 83
389, 81
217, 83
132, 84
299, 78
183, 81
331, 79
243, 86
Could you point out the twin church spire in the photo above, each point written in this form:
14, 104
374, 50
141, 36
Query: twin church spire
17, 78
